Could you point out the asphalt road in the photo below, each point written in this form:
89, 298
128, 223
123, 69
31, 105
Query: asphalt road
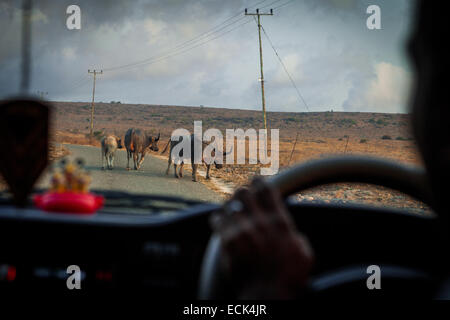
151, 178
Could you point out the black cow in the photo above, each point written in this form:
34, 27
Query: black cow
137, 142
194, 165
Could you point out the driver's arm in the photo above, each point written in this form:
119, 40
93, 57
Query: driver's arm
264, 253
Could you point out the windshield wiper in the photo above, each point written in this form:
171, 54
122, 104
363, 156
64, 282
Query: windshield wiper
144, 203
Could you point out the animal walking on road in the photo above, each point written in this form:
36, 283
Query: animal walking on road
110, 144
179, 174
137, 142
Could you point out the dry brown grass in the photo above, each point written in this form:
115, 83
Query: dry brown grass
74, 138
320, 134
74, 117
321, 147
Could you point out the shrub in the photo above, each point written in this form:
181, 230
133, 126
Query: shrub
386, 137
403, 139
363, 141
346, 122
289, 120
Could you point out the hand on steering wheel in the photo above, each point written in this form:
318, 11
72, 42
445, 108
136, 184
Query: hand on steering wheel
259, 244
264, 254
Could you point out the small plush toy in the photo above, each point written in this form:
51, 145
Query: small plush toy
57, 182
83, 181
69, 190
70, 176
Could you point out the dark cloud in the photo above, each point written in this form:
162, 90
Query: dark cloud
336, 55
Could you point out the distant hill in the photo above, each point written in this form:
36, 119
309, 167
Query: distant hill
116, 118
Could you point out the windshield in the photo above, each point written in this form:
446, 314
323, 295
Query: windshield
263, 85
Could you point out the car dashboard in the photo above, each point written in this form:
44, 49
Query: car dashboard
126, 251
161, 254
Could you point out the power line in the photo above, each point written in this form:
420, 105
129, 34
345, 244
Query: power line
284, 4
208, 33
175, 53
196, 42
80, 85
73, 85
285, 69
199, 44
270, 4
175, 50
170, 51
220, 24
187, 43
83, 80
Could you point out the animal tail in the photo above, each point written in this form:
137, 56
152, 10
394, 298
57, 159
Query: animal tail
102, 152
165, 148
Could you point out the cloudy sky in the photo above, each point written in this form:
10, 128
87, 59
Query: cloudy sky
335, 61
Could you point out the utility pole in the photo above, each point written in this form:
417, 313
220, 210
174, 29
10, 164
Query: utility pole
94, 72
41, 94
261, 58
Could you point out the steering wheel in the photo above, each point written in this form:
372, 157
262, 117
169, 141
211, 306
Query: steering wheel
407, 179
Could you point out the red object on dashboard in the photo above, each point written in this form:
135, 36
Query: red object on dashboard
69, 202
